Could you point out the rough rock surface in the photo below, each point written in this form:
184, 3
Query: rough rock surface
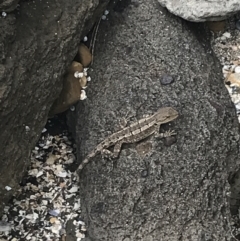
37, 44
204, 10
156, 189
8, 5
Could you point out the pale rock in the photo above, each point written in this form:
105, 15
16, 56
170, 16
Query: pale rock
201, 11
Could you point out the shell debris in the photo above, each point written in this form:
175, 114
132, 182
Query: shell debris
226, 45
49, 196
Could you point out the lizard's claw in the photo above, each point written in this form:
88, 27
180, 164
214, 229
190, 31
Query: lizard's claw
170, 133
165, 134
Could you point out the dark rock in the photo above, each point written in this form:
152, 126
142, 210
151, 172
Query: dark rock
185, 194
8, 5
37, 44
166, 79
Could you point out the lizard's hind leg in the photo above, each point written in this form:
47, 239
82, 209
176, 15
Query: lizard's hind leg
116, 150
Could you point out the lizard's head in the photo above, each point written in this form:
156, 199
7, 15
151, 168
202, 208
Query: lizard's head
166, 114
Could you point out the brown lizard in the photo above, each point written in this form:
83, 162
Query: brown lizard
133, 133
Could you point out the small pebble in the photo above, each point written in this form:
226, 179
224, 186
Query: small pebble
4, 14
72, 108
166, 79
104, 17
144, 173
85, 39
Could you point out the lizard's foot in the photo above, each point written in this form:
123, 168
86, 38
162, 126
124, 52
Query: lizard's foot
165, 134
107, 154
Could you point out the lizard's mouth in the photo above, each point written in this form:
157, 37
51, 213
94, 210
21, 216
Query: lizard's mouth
173, 114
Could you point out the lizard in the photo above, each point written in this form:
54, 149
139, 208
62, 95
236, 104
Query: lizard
135, 132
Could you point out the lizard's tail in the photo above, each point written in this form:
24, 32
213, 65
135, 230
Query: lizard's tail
86, 161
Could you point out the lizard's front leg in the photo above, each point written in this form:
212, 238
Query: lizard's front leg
115, 153
165, 134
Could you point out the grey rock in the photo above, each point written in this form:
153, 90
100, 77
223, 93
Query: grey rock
37, 44
8, 5
204, 10
184, 194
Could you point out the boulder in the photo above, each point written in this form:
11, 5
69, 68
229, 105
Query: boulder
167, 189
8, 5
201, 11
38, 42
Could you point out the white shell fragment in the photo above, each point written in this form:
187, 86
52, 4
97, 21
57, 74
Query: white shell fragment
4, 14
237, 70
73, 189
27, 128
62, 174
106, 12
85, 71
227, 35
78, 74
83, 95
5, 226
40, 173
85, 39
8, 188
44, 130
32, 216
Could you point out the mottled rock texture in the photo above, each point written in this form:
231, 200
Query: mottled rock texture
157, 189
37, 44
8, 5
203, 10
